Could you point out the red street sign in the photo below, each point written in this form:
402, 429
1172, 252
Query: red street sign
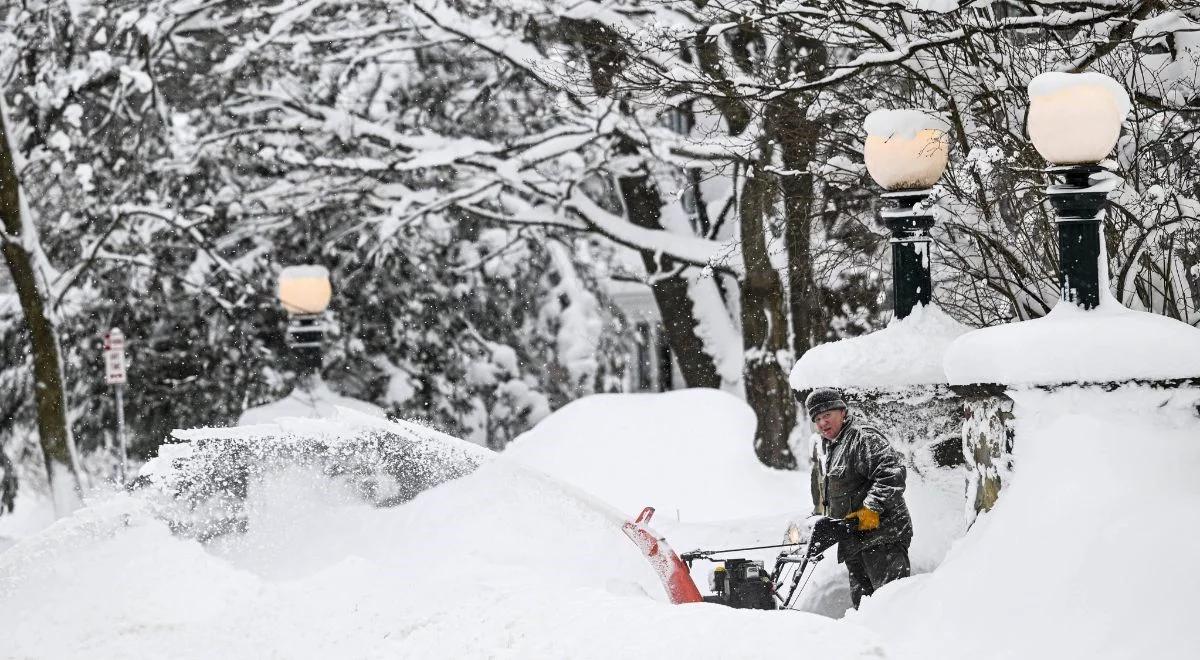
114, 340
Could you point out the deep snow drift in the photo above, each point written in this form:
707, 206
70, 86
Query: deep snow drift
504, 562
1086, 555
688, 453
1089, 552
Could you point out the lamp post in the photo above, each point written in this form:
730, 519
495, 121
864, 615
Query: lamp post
304, 291
1074, 122
906, 152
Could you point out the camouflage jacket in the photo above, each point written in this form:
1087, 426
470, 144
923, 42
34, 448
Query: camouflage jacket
861, 468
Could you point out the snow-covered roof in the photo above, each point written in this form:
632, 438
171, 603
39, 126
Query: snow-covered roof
1109, 343
908, 351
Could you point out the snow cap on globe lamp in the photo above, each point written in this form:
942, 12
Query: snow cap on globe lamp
304, 289
1075, 118
905, 149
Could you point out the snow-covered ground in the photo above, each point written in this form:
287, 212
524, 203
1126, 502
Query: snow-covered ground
33, 512
505, 562
1086, 555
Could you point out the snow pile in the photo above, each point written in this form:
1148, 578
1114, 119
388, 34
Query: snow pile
32, 512
317, 402
1086, 554
689, 454
908, 351
504, 562
1069, 344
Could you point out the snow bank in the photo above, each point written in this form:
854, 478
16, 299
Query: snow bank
1086, 554
1069, 344
316, 402
32, 512
689, 454
908, 351
504, 562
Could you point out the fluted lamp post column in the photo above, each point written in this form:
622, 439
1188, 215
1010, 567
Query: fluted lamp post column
1074, 122
906, 152
304, 292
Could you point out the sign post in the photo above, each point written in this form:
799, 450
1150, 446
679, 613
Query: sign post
114, 374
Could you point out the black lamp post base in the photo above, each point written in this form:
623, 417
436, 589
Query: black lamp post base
909, 224
1079, 206
305, 338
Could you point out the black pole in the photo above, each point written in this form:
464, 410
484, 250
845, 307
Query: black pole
1078, 208
305, 337
912, 283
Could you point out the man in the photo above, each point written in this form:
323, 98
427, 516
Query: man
857, 475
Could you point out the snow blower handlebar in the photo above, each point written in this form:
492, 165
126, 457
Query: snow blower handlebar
692, 556
826, 532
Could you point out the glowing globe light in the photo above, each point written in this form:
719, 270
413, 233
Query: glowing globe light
1075, 118
905, 149
304, 289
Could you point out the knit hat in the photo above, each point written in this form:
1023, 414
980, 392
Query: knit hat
822, 399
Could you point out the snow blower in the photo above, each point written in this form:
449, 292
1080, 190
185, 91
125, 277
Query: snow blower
738, 582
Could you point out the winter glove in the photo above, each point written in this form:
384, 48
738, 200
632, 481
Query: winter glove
867, 519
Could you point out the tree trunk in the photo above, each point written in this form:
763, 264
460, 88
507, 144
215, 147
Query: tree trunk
49, 394
764, 332
788, 124
797, 139
605, 55
642, 205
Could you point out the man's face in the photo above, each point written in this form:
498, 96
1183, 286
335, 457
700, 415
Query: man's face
829, 423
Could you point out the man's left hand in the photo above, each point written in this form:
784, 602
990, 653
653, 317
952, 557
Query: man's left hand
867, 519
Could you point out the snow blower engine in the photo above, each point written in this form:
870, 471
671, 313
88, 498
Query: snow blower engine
742, 583
746, 584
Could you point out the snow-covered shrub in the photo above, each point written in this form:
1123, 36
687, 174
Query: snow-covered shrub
210, 472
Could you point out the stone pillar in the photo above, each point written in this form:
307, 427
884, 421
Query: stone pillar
987, 442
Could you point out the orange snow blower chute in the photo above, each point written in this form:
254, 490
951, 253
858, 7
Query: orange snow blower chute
670, 568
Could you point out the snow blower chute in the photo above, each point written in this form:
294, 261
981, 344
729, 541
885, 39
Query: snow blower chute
670, 568
738, 582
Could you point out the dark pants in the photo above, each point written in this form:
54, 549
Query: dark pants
875, 567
